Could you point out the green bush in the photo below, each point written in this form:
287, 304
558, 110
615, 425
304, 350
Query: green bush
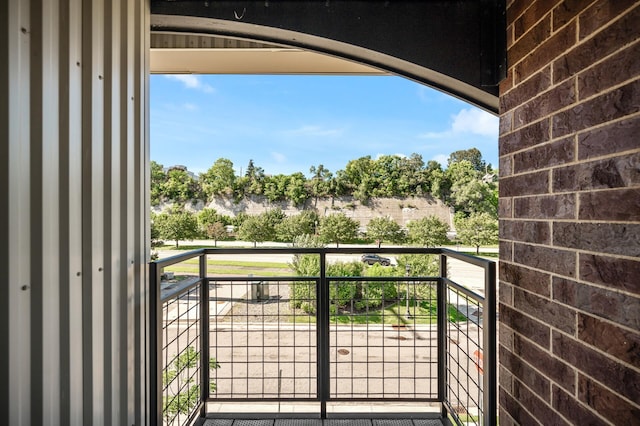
374, 293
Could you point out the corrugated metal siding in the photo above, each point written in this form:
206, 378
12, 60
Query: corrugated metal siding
73, 216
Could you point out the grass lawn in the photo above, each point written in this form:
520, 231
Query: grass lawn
233, 267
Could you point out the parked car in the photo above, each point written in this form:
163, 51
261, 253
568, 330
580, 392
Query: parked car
370, 259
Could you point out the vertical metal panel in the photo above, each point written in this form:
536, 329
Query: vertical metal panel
18, 232
73, 197
76, 253
50, 237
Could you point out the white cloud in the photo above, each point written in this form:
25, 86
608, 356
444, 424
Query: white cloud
441, 158
314, 131
278, 157
191, 81
189, 106
475, 121
472, 120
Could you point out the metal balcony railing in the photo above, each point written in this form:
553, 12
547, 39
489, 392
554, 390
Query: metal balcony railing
321, 338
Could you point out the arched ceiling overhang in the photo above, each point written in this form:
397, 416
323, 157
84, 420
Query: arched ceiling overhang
457, 46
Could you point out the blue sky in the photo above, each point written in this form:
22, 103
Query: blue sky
288, 123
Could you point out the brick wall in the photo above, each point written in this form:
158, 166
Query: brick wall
570, 214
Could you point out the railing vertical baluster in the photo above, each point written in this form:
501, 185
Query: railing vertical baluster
489, 342
204, 335
442, 333
322, 316
155, 345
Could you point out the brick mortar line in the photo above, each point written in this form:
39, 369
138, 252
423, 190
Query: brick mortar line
577, 310
573, 367
576, 280
576, 76
577, 43
576, 220
577, 251
600, 352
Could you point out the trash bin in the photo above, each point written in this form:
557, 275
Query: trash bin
260, 290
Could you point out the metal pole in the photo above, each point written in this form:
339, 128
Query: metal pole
322, 316
489, 404
204, 336
407, 272
155, 344
442, 333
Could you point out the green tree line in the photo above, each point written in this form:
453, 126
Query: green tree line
460, 184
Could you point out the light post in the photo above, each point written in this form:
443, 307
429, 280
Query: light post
408, 270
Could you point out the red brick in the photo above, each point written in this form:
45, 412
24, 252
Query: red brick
526, 326
526, 374
612, 72
614, 306
525, 184
552, 48
525, 278
600, 14
506, 122
606, 403
515, 410
612, 205
505, 208
505, 377
613, 238
616, 172
545, 310
573, 410
613, 138
561, 262
543, 412
545, 104
505, 293
611, 271
610, 106
617, 342
526, 231
540, 157
517, 8
561, 206
505, 165
525, 137
553, 368
506, 251
624, 381
532, 15
566, 11
532, 38
526, 90
604, 43
506, 84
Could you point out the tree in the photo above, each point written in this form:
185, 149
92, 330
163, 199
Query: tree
158, 178
296, 191
477, 230
294, 226
385, 229
220, 179
319, 185
473, 156
428, 231
216, 231
256, 229
180, 187
177, 224
207, 217
338, 228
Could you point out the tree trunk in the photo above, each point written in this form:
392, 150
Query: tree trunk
176, 243
477, 250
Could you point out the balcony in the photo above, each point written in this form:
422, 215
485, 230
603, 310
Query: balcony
307, 349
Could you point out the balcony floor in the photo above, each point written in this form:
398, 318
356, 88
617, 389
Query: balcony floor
325, 422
